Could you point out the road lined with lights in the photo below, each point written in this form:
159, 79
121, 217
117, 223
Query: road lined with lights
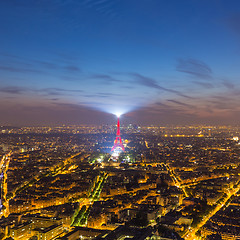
63, 167
81, 214
3, 170
190, 235
175, 179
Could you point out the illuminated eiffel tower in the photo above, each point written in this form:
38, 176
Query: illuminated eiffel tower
118, 141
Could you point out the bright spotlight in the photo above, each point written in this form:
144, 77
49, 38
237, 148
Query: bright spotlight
118, 114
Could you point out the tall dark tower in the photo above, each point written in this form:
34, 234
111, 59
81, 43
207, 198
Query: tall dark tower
118, 141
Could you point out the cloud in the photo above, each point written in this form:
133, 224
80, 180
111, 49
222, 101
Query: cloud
19, 70
44, 91
180, 103
146, 81
70, 78
228, 84
161, 113
59, 91
222, 98
222, 104
149, 82
107, 78
161, 104
194, 68
54, 66
16, 64
72, 68
109, 94
127, 87
54, 99
12, 63
48, 65
42, 113
204, 84
102, 95
12, 90
68, 106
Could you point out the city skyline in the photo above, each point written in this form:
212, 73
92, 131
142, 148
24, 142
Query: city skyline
119, 119
157, 62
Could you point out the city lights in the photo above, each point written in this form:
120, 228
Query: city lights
119, 120
86, 171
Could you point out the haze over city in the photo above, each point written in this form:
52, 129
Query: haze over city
158, 62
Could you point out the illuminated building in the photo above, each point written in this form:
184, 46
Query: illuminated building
50, 232
20, 231
125, 232
83, 233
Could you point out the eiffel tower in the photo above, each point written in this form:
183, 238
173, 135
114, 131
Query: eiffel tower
118, 141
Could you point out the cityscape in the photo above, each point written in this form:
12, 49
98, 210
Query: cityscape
78, 182
119, 120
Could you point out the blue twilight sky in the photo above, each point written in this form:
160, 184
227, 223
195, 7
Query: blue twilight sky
160, 62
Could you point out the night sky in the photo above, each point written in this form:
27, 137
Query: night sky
157, 61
